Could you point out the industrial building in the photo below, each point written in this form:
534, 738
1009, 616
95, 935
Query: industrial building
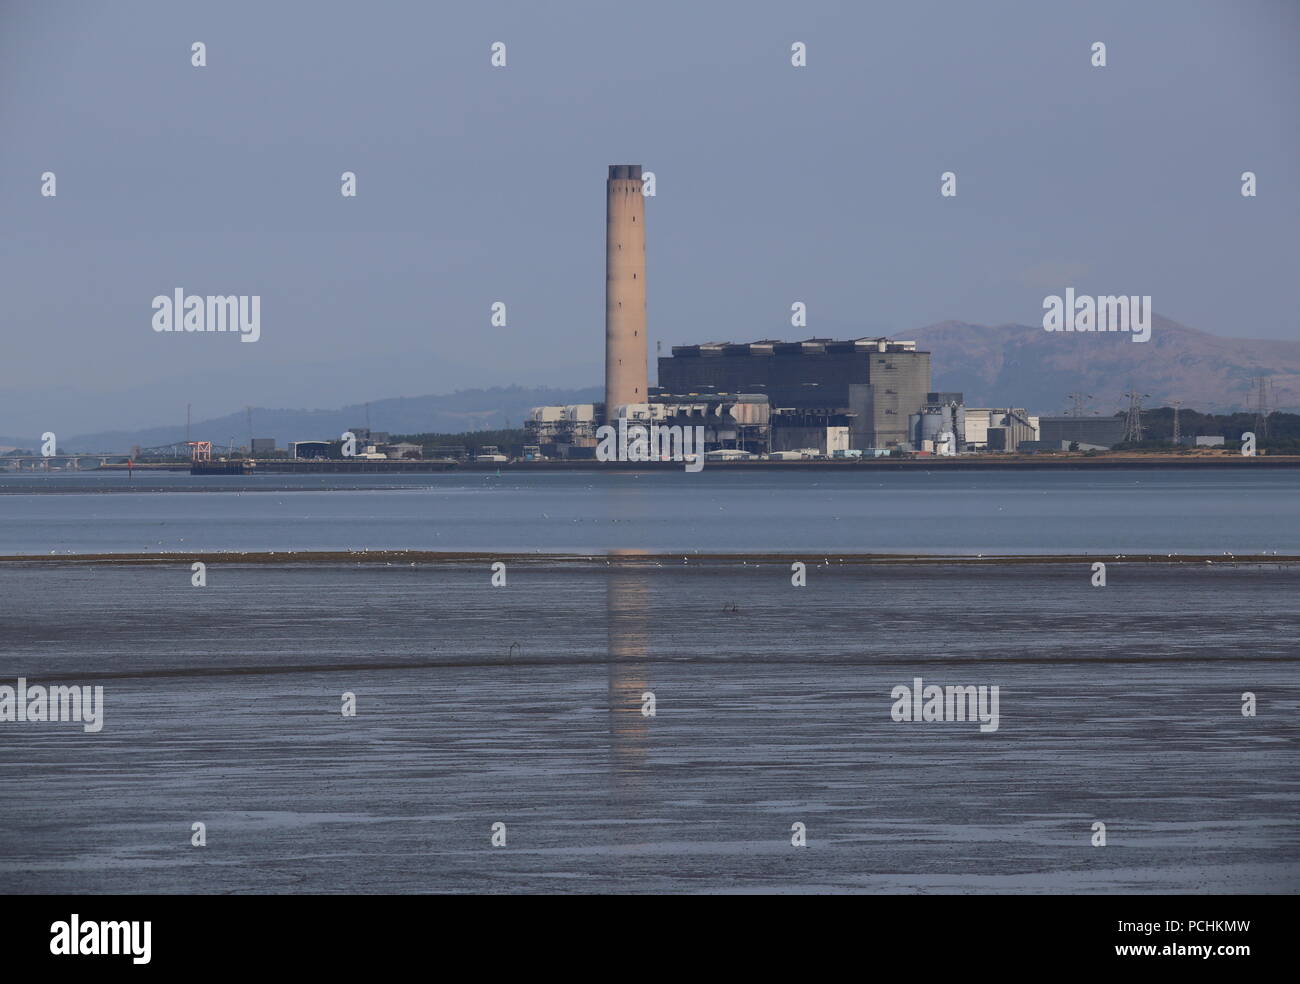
999, 429
1100, 432
738, 422
876, 383
819, 397
811, 432
731, 421
564, 431
364, 449
940, 425
309, 449
945, 425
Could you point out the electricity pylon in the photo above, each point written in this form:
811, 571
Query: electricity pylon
1133, 423
1261, 413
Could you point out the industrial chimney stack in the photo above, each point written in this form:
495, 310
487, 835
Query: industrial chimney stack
626, 377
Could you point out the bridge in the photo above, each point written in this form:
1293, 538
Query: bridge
70, 462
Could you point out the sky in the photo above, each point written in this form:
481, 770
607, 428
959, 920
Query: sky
478, 184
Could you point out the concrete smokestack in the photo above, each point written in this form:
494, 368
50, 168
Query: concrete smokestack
626, 348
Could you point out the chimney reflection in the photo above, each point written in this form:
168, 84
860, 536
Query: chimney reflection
627, 620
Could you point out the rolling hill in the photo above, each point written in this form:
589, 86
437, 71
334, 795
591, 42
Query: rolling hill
1025, 366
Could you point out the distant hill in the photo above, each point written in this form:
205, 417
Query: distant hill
998, 365
465, 410
1025, 366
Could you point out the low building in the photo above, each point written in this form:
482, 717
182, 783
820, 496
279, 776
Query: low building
1036, 446
448, 452
311, 449
401, 449
1102, 432
992, 429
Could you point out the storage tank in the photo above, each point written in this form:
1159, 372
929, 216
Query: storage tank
935, 421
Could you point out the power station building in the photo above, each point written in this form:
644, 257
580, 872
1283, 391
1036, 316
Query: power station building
821, 397
872, 384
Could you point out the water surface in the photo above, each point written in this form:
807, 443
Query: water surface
522, 705
1039, 512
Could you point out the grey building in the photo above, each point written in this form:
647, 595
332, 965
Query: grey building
263, 447
878, 383
311, 449
799, 431
1103, 432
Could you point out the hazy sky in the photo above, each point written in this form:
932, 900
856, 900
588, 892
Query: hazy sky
478, 184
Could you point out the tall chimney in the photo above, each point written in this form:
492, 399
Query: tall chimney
626, 377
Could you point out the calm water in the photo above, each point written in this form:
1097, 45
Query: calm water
522, 705
1136, 511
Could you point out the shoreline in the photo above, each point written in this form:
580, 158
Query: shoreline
623, 558
1056, 461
